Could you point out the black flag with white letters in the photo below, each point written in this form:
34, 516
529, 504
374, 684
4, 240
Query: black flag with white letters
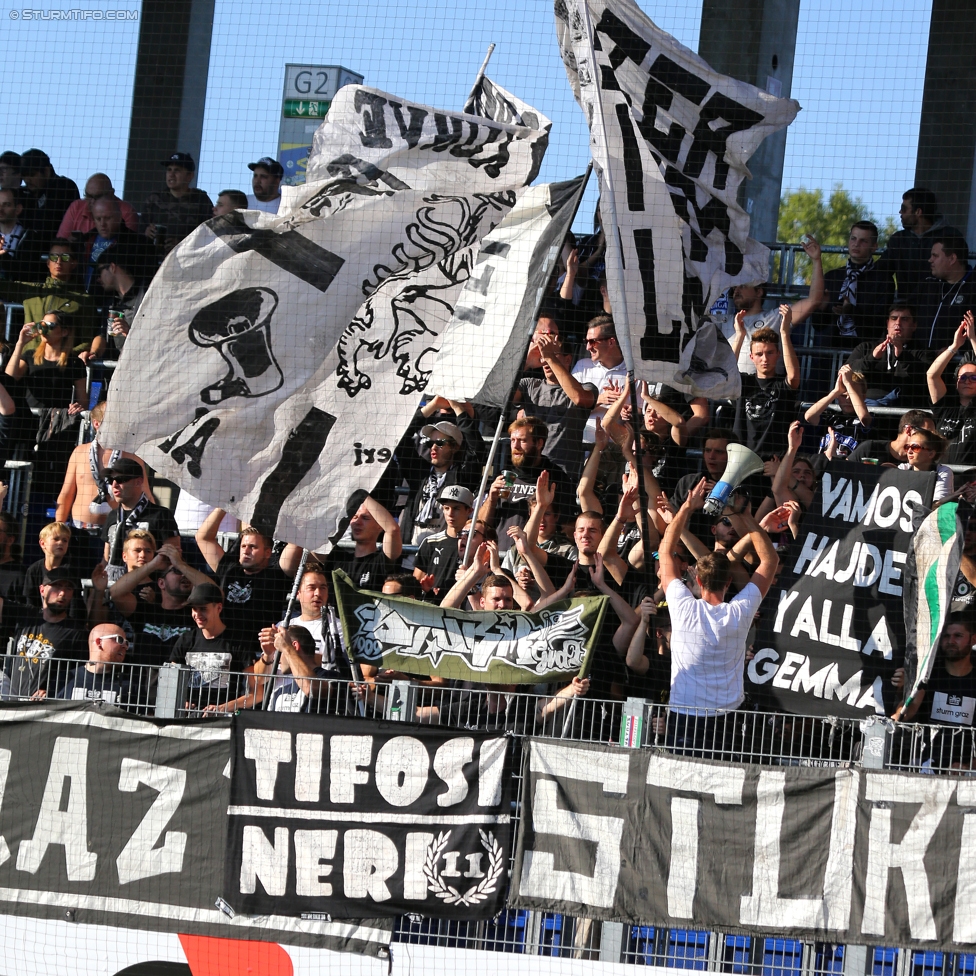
832, 630
347, 818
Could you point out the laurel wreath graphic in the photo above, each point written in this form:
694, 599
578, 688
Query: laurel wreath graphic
476, 893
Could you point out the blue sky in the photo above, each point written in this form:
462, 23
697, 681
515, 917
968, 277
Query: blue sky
858, 75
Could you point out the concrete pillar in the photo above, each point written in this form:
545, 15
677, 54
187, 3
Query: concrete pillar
755, 41
169, 92
947, 128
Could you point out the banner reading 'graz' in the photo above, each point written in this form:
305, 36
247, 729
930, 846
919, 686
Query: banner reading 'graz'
344, 817
491, 646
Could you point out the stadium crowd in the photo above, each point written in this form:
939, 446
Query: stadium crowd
566, 516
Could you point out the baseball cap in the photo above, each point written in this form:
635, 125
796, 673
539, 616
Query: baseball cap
10, 158
457, 493
60, 576
124, 468
271, 165
33, 160
446, 428
179, 159
204, 593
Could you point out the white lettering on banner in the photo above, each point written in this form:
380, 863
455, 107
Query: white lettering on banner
765, 906
308, 767
882, 507
793, 673
141, 858
865, 564
68, 828
491, 765
267, 748
349, 757
369, 860
964, 922
884, 790
806, 622
724, 783
5, 755
264, 862
809, 553
414, 855
540, 879
401, 769
313, 850
449, 763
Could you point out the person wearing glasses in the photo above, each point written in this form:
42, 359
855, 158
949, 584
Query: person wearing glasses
605, 370
127, 481
41, 640
955, 413
102, 678
891, 453
925, 449
79, 217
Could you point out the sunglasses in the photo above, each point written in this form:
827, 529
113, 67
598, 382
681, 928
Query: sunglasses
918, 447
121, 641
967, 378
60, 258
442, 442
121, 481
726, 521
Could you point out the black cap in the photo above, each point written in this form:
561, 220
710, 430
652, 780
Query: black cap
10, 158
179, 159
60, 576
33, 160
271, 165
204, 593
124, 468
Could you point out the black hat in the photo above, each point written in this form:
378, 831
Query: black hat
33, 160
124, 468
271, 165
10, 158
60, 576
179, 159
204, 593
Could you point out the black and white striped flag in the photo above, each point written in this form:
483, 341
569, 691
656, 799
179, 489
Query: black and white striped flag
671, 137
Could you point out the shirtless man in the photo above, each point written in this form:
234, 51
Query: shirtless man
83, 502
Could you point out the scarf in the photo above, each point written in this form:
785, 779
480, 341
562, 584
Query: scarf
116, 568
100, 505
848, 295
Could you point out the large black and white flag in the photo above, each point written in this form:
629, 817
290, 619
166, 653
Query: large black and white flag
254, 369
671, 138
346, 818
483, 347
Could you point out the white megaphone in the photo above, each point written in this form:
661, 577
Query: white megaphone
741, 464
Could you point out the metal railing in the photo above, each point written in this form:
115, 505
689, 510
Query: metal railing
742, 736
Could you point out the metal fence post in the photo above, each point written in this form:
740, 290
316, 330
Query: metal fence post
401, 702
171, 688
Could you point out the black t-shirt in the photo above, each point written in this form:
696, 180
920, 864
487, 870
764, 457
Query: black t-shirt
41, 645
31, 590
438, 554
111, 685
11, 581
957, 424
366, 572
215, 664
948, 700
155, 632
874, 448
514, 510
156, 519
50, 385
763, 413
251, 600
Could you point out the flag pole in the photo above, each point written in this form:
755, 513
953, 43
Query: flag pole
469, 103
290, 606
501, 419
620, 312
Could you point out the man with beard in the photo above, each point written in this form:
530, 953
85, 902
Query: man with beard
748, 302
157, 626
507, 503
42, 640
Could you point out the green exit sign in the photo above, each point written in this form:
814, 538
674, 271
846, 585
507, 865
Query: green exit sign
296, 108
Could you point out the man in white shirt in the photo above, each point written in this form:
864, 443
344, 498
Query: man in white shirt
605, 369
708, 635
266, 183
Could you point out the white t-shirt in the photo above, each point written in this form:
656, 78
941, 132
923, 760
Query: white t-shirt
764, 320
587, 371
265, 206
708, 648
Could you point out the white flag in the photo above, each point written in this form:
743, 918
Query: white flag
673, 137
219, 383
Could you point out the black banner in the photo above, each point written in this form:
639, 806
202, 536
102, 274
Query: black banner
836, 855
344, 818
832, 630
108, 819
